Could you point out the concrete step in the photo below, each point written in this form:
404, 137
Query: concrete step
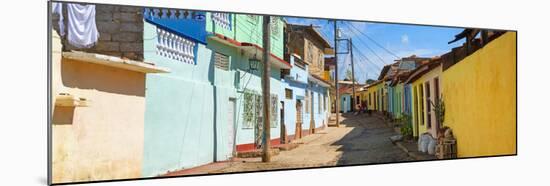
287, 147
257, 153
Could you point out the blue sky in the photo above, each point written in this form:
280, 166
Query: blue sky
399, 39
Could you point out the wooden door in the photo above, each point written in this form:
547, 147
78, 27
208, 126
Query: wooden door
283, 127
299, 120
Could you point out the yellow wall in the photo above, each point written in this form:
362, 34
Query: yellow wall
383, 96
363, 96
326, 75
371, 90
480, 99
419, 85
370, 102
104, 140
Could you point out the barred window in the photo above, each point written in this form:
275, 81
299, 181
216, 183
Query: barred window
222, 20
274, 26
288, 93
253, 18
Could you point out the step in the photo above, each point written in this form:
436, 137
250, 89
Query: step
287, 147
257, 153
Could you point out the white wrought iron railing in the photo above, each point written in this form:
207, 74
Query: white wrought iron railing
175, 47
222, 20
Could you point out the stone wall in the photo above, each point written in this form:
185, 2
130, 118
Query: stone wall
120, 29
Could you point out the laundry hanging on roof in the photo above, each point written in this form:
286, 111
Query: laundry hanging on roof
81, 27
57, 8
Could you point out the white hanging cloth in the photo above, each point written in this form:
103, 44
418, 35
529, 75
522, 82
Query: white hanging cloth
57, 8
82, 30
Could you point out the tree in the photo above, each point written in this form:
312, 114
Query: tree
369, 81
348, 74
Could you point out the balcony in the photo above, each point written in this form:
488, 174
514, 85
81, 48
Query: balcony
175, 47
184, 23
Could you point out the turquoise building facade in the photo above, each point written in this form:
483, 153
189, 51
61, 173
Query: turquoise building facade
196, 114
295, 85
345, 102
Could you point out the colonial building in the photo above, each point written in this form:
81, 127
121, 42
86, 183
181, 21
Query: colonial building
209, 108
307, 44
98, 94
425, 83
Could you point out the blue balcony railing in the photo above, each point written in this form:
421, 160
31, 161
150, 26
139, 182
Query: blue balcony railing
185, 23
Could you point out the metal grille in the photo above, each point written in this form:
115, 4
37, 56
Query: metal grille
221, 61
274, 26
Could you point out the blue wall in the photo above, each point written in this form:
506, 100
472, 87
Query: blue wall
297, 82
175, 138
345, 105
319, 115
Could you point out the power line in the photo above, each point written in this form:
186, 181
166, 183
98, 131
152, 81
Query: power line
382, 63
367, 58
379, 45
363, 57
367, 46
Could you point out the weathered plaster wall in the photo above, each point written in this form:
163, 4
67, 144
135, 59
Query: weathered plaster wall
245, 28
102, 141
252, 81
345, 105
420, 84
480, 99
370, 100
396, 100
187, 121
298, 85
309, 49
182, 109
378, 92
318, 112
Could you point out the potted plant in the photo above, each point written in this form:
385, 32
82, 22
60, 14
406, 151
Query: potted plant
406, 126
439, 110
446, 143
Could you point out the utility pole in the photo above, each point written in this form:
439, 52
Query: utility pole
337, 104
266, 157
352, 77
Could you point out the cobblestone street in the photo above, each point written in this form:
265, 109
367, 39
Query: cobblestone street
360, 139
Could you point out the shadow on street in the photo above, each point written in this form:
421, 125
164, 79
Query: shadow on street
368, 142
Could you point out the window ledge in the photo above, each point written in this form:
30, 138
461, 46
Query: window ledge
115, 62
68, 100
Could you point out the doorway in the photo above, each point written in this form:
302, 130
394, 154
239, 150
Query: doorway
283, 126
298, 132
231, 128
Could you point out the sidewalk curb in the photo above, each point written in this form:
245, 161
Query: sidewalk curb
404, 149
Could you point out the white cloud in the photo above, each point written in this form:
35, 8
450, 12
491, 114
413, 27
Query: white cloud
422, 52
405, 39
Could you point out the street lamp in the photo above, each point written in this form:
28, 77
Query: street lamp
253, 63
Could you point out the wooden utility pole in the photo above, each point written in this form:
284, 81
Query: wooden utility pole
266, 157
352, 77
337, 104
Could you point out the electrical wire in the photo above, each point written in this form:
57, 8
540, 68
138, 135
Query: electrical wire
381, 63
367, 46
368, 37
